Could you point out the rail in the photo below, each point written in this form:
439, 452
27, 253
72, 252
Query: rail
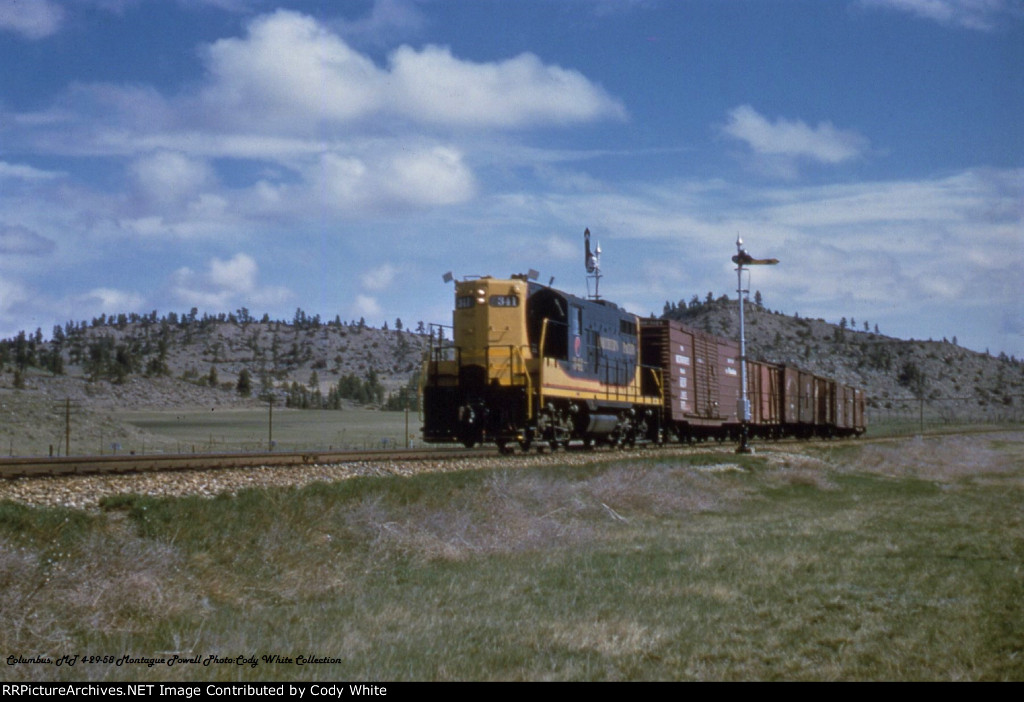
11, 468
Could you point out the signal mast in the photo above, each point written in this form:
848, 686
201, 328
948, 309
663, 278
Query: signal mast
592, 260
741, 259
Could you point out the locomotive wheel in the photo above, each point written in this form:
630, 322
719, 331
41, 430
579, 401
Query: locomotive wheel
504, 448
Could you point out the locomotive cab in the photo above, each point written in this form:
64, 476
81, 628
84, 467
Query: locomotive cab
489, 325
477, 387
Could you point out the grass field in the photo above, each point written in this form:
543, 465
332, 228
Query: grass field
901, 560
204, 431
35, 429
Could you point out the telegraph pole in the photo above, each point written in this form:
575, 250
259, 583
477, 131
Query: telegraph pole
67, 427
270, 423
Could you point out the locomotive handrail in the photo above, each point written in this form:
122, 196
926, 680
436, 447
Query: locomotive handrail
543, 362
518, 352
658, 381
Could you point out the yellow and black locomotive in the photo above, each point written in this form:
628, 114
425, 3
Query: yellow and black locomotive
532, 365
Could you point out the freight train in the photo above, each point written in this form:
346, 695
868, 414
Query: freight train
530, 366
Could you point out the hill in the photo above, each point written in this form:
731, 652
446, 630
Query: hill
953, 382
142, 362
145, 362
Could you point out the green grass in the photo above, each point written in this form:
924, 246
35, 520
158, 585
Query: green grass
888, 561
909, 427
249, 430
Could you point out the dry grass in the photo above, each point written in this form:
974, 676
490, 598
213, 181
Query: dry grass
107, 585
944, 458
840, 563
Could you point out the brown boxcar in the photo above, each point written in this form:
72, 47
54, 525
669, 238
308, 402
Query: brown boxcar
765, 393
700, 375
701, 389
824, 403
849, 411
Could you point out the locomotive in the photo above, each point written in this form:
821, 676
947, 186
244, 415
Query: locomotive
530, 365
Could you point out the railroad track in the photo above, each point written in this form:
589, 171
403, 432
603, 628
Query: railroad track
11, 468
84, 482
15, 467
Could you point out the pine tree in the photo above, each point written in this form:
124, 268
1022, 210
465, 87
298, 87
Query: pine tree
244, 385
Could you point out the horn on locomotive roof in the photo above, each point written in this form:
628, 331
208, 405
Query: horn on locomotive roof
592, 260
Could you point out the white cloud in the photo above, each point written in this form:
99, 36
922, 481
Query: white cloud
559, 248
430, 176
788, 141
12, 296
288, 71
389, 175
22, 172
291, 73
15, 239
331, 132
910, 254
434, 86
237, 274
169, 179
225, 285
106, 300
366, 306
984, 15
379, 278
33, 19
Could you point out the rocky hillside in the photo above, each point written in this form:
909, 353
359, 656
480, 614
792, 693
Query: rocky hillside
951, 379
135, 362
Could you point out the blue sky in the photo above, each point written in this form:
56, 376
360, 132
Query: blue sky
340, 157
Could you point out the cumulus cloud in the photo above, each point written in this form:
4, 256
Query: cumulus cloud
313, 124
385, 177
15, 239
225, 284
288, 69
291, 72
102, 300
559, 248
436, 175
379, 278
434, 86
899, 252
984, 15
789, 141
170, 179
33, 19
366, 306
